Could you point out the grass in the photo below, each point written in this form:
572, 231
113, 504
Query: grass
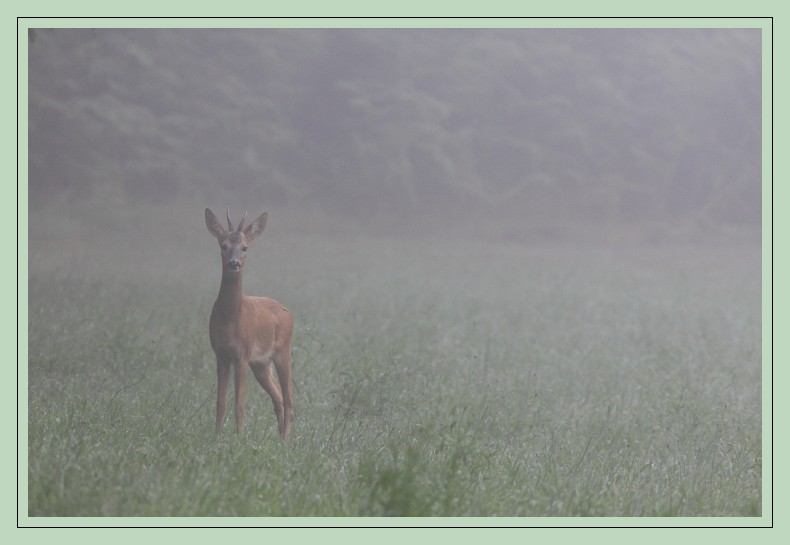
432, 378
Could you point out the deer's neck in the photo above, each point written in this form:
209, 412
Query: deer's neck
230, 295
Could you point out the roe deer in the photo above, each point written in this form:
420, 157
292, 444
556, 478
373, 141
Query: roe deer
248, 332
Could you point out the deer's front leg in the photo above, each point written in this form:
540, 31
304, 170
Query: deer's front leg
240, 377
223, 373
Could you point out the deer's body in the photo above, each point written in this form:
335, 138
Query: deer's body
248, 332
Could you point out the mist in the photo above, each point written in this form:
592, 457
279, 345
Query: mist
520, 135
524, 268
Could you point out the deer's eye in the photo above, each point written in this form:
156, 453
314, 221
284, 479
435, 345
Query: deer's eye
243, 248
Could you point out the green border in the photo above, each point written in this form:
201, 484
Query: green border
768, 74
397, 22
22, 253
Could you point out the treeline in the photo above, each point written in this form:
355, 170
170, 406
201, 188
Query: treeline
620, 124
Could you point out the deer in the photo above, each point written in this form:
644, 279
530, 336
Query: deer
248, 332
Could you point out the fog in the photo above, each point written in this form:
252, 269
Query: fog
523, 266
510, 134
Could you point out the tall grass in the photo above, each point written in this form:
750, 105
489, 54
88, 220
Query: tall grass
432, 378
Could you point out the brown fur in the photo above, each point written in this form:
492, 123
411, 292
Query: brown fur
249, 332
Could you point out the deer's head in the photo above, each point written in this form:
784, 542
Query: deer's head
234, 242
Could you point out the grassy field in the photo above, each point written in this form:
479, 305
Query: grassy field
432, 377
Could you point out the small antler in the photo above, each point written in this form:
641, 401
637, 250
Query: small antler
230, 225
241, 223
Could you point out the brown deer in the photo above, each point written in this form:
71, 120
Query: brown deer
248, 332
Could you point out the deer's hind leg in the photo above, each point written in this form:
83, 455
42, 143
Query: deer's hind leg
282, 361
264, 374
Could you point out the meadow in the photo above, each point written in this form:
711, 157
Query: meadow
433, 376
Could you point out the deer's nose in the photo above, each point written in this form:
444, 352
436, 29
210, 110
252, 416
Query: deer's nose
234, 265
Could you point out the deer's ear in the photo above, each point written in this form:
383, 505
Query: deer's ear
256, 227
214, 226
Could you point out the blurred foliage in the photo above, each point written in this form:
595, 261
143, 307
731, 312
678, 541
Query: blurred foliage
618, 125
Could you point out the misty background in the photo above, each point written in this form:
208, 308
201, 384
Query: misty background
523, 264
517, 134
